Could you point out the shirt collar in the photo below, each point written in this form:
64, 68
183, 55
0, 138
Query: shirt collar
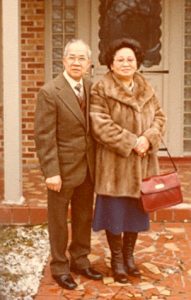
71, 81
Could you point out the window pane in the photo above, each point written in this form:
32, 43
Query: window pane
57, 41
70, 2
57, 53
187, 106
187, 119
187, 146
187, 79
57, 14
187, 133
57, 67
57, 2
57, 27
70, 13
187, 93
70, 27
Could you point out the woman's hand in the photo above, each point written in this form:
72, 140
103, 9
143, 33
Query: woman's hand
142, 146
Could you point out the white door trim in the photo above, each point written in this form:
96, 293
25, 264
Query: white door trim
176, 77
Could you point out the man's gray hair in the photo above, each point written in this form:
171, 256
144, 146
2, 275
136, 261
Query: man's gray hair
77, 41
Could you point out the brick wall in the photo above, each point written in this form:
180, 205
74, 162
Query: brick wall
32, 70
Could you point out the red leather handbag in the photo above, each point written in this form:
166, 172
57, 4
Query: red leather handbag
161, 191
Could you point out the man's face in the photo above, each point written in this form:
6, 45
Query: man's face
76, 61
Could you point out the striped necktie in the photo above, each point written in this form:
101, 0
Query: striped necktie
80, 96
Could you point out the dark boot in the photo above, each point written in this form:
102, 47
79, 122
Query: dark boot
129, 240
117, 265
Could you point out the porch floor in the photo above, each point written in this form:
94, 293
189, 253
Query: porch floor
163, 256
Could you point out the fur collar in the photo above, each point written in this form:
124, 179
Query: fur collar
115, 89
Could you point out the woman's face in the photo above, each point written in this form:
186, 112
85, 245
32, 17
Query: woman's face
124, 63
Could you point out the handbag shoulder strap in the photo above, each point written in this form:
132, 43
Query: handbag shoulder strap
171, 159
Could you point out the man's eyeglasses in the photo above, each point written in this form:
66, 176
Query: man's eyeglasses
79, 59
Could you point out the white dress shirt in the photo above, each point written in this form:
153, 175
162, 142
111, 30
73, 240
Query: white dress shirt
73, 82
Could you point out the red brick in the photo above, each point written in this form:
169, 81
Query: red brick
53, 290
21, 215
28, 155
27, 23
164, 215
39, 11
28, 72
28, 120
182, 214
28, 95
37, 215
27, 35
5, 215
35, 29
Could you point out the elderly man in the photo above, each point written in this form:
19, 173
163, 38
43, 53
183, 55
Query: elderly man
66, 153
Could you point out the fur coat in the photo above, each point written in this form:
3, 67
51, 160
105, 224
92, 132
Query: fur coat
118, 117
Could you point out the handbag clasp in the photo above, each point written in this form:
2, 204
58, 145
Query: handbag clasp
159, 186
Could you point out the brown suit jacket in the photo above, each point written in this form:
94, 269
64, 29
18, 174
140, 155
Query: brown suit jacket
62, 134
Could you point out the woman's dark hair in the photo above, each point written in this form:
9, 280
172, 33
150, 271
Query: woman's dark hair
124, 43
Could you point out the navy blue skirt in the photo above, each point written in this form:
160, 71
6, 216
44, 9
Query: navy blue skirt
119, 214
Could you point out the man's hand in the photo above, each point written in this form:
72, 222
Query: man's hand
142, 146
54, 183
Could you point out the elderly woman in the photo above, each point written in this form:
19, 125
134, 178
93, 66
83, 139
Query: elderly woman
128, 124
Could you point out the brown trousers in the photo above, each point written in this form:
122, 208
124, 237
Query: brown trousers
81, 200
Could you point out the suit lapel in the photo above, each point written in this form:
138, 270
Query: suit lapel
67, 95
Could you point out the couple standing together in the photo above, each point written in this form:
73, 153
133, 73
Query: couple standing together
101, 138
